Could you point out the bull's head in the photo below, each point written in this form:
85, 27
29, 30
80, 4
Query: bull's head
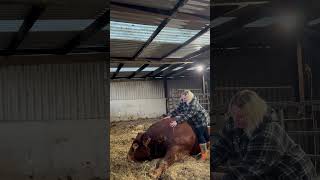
139, 150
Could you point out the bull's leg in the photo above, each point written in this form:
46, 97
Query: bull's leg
174, 154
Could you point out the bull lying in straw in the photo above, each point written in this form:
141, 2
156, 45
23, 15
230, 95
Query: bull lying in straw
162, 141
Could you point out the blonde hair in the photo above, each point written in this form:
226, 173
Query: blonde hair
189, 95
253, 107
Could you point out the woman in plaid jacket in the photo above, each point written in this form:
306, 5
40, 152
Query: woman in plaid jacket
254, 147
190, 110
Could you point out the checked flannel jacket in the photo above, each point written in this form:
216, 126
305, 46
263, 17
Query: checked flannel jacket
268, 154
193, 113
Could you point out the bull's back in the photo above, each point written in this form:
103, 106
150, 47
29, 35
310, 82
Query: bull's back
181, 135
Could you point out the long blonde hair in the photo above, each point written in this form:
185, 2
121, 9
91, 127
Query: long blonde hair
252, 105
188, 94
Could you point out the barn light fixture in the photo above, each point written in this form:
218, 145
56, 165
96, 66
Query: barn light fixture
200, 68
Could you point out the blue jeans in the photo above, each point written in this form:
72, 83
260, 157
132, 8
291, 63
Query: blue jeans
202, 134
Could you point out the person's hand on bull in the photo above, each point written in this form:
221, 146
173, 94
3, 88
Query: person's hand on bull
167, 117
173, 124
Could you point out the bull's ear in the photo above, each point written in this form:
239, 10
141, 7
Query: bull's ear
133, 139
146, 141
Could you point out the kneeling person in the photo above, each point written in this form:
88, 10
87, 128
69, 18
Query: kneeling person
190, 110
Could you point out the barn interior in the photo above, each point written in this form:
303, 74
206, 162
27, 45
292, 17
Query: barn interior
156, 51
52, 108
271, 48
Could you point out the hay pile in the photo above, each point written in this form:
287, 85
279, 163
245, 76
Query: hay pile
120, 142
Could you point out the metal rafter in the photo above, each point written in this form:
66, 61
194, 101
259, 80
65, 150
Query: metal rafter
156, 71
248, 15
170, 68
84, 35
190, 56
138, 71
160, 27
180, 70
117, 71
203, 31
30, 19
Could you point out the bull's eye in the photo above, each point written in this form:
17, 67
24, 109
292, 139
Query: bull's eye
135, 146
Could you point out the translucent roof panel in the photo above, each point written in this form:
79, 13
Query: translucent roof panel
10, 25
140, 32
195, 45
133, 69
130, 31
61, 25
175, 35
176, 69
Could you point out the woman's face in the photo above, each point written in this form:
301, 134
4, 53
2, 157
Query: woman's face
239, 117
183, 98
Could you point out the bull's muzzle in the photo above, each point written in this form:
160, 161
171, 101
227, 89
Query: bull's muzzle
130, 159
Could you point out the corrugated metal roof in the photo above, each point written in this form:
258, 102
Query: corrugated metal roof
129, 31
133, 16
5, 39
139, 32
60, 22
220, 20
13, 11
201, 7
195, 45
121, 48
175, 35
133, 69
160, 4
183, 21
267, 21
157, 50
73, 9
47, 25
46, 39
61, 25
99, 39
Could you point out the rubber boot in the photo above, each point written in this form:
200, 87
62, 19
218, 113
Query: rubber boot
204, 151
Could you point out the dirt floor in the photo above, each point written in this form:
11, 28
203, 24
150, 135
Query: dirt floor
120, 142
